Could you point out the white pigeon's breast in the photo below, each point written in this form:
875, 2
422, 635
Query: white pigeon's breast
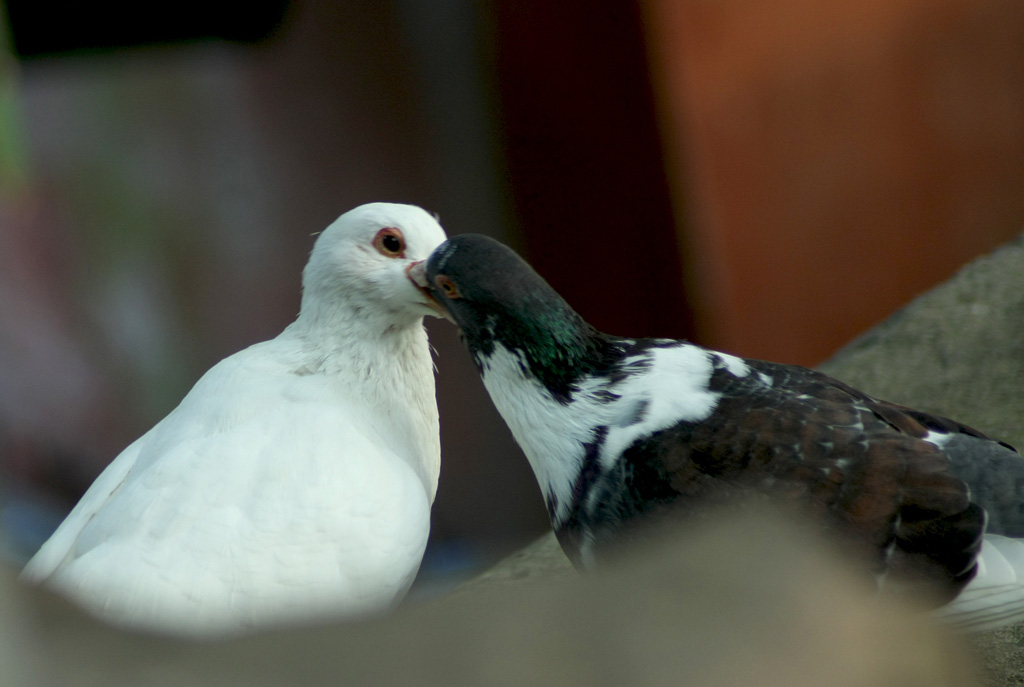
276, 502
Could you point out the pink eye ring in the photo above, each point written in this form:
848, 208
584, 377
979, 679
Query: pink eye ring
390, 242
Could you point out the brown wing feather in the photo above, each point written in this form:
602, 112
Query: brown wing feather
857, 463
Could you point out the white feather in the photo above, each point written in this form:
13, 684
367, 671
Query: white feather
675, 389
995, 597
295, 479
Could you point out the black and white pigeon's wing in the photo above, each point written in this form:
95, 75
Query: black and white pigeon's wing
914, 488
994, 474
798, 435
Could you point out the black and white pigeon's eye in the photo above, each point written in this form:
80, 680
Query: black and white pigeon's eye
447, 286
390, 242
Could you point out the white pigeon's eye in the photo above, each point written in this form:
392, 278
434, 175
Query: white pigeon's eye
446, 285
390, 242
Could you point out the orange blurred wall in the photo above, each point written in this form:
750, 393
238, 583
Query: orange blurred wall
830, 160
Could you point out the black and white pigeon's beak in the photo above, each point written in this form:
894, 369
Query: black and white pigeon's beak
417, 274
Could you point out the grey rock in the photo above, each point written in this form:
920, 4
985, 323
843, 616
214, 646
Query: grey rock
957, 350
542, 559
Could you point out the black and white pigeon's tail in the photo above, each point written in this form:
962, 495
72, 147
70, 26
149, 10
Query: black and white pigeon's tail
995, 597
994, 473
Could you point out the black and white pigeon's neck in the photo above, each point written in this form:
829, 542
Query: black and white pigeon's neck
561, 386
532, 350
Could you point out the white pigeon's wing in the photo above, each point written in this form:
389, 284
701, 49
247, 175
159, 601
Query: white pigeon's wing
56, 549
995, 597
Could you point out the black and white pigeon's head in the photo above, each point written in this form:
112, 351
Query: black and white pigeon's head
360, 264
497, 299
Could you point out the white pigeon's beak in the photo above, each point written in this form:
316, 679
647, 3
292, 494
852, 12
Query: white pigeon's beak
417, 274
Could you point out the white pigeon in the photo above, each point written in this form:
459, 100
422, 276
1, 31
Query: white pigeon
294, 481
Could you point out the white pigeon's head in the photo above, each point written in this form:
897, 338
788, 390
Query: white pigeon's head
360, 264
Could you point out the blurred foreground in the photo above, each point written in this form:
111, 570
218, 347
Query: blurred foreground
748, 600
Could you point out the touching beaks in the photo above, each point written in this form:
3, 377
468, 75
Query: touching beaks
417, 274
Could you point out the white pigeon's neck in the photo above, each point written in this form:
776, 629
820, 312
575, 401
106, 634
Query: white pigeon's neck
388, 367
362, 346
351, 319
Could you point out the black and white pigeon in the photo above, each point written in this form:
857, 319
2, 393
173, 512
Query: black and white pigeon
618, 430
295, 480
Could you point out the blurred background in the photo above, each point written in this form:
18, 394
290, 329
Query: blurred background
768, 177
